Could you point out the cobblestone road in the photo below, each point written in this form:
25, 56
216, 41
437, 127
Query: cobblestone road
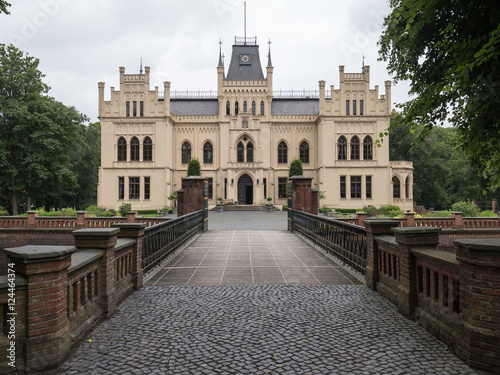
341, 329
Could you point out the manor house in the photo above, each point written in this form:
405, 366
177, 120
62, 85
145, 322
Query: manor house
245, 136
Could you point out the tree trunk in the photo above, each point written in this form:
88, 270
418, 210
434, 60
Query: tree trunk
13, 196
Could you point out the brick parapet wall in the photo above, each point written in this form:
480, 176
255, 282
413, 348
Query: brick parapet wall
455, 297
69, 289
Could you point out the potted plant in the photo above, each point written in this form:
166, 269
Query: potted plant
269, 206
220, 205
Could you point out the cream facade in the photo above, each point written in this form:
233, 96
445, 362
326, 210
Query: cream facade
245, 138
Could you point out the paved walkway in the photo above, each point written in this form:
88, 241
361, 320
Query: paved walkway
251, 258
258, 302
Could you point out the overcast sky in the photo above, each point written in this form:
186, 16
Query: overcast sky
81, 43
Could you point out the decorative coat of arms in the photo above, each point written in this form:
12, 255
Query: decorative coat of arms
244, 124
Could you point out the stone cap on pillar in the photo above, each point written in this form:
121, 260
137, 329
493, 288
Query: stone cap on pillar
36, 254
129, 229
300, 178
194, 178
417, 231
479, 245
99, 238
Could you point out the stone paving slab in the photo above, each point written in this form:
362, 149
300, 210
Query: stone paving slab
257, 329
251, 258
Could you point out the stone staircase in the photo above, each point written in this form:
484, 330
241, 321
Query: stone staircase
245, 207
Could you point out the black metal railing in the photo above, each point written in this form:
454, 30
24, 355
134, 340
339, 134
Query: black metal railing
163, 239
347, 242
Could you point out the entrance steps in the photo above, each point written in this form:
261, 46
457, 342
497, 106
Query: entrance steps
245, 207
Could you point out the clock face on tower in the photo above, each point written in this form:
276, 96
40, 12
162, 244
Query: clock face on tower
245, 59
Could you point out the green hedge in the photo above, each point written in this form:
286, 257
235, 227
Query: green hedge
146, 212
346, 210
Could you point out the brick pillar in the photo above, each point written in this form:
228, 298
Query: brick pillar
375, 227
410, 219
494, 205
314, 202
102, 239
47, 341
80, 219
131, 216
301, 194
361, 216
135, 231
180, 202
479, 263
408, 238
459, 219
31, 219
193, 194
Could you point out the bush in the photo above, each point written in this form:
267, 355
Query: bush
107, 214
52, 213
194, 168
69, 212
295, 168
488, 213
124, 208
346, 210
468, 208
391, 211
325, 209
285, 208
3, 211
438, 214
371, 210
170, 211
146, 212
113, 212
94, 211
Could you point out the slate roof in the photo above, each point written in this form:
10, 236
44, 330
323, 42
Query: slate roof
295, 106
245, 72
194, 106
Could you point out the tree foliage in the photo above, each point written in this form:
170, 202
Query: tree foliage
442, 174
43, 143
295, 168
194, 168
3, 7
450, 54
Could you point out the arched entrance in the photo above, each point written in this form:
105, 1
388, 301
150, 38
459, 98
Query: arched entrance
245, 190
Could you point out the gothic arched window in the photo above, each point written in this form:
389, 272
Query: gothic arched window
253, 107
282, 153
236, 108
134, 149
304, 152
147, 149
208, 153
186, 153
245, 106
354, 148
249, 152
240, 153
367, 148
228, 108
342, 145
262, 107
122, 149
396, 187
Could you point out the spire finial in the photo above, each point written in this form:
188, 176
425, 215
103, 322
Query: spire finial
140, 70
221, 62
363, 66
269, 63
245, 22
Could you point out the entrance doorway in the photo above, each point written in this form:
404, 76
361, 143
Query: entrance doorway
245, 190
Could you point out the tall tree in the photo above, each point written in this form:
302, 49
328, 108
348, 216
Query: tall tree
37, 135
450, 53
3, 7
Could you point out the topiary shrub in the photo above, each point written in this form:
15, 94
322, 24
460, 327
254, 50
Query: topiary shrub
295, 168
194, 168
124, 208
468, 208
